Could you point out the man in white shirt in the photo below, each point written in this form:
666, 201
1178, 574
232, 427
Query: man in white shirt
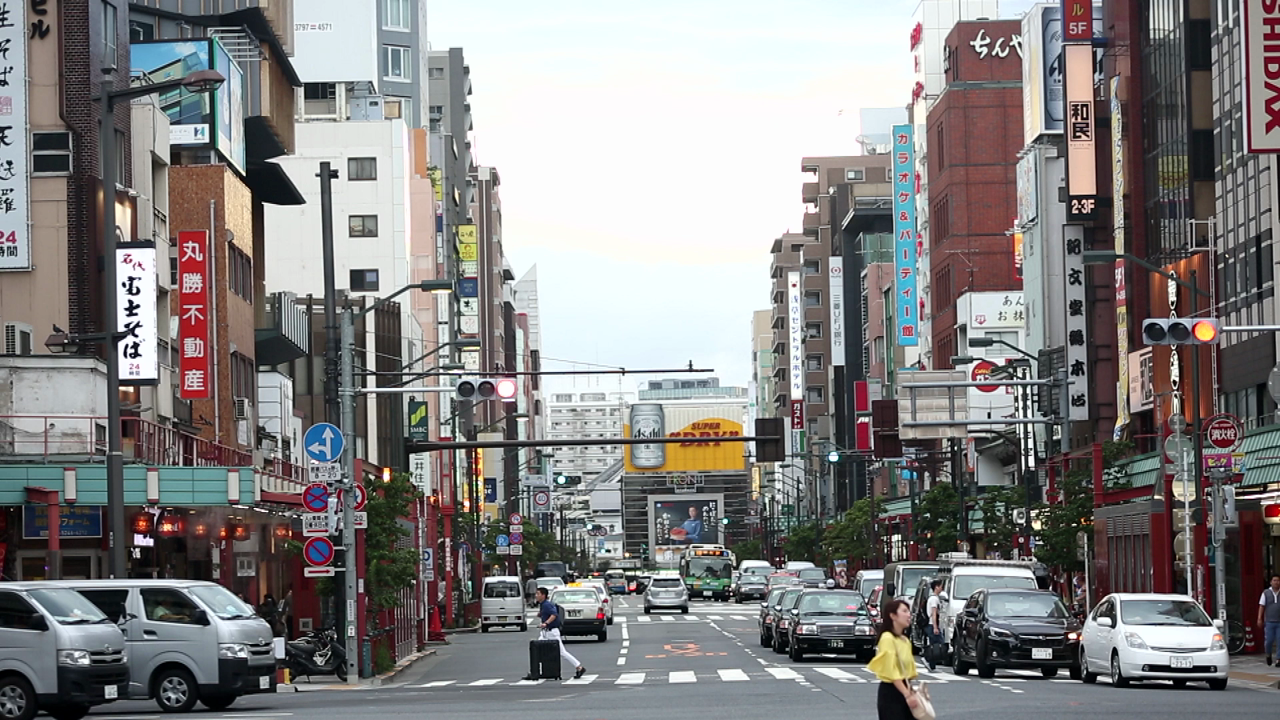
931, 610
1269, 618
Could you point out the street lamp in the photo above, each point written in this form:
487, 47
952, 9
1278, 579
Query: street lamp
986, 342
199, 82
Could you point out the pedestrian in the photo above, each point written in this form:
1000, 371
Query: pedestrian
894, 665
932, 608
1269, 619
530, 591
549, 622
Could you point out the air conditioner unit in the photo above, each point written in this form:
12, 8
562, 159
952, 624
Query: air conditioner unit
17, 338
242, 408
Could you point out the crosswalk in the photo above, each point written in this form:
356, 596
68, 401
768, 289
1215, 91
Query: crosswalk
804, 674
667, 618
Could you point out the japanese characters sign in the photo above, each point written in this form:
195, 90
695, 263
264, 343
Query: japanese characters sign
15, 179
1261, 73
904, 229
1082, 166
997, 310
795, 330
1077, 21
1118, 225
835, 274
1000, 47
195, 366
136, 315
1077, 355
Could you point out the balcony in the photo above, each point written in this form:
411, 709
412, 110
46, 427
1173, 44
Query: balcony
812, 221
809, 193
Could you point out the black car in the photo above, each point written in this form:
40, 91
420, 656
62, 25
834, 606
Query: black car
751, 587
766, 615
830, 622
1007, 628
782, 617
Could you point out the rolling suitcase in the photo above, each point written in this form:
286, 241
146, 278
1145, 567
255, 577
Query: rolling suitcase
544, 660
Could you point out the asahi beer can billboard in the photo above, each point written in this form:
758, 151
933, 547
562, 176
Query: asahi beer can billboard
706, 429
648, 421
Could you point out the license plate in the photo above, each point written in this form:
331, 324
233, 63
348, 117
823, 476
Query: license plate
1041, 653
1181, 662
111, 692
264, 682
837, 643
575, 613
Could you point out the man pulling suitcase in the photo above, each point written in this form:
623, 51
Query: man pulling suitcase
542, 652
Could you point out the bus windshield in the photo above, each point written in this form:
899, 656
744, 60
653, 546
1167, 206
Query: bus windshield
711, 567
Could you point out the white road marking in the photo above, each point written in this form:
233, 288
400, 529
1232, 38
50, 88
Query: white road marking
838, 674
782, 673
732, 675
737, 617
1026, 673
667, 618
644, 618
584, 680
625, 635
691, 617
715, 617
438, 683
529, 682
629, 679
623, 651
682, 676
487, 681
622, 660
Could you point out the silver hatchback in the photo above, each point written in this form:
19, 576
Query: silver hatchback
666, 593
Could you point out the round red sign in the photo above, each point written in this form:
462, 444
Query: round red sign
981, 370
1223, 432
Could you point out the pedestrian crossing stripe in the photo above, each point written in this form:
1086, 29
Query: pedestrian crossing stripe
681, 677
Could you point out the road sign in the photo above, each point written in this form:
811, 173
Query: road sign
323, 442
361, 498
428, 564
1178, 449
541, 499
533, 480
1223, 433
360, 521
316, 497
328, 473
517, 549
315, 524
502, 541
325, 571
1177, 423
517, 538
318, 551
516, 518
516, 529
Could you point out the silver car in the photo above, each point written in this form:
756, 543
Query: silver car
666, 592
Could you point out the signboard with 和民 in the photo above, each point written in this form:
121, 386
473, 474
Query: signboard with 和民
138, 346
74, 521
15, 176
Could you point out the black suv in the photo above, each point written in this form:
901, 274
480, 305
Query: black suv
830, 622
1009, 628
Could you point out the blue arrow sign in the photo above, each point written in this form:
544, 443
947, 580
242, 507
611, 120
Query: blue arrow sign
323, 442
503, 541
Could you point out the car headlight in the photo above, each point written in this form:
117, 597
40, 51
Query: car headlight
73, 657
807, 629
864, 630
233, 651
1217, 643
1073, 636
1135, 641
1000, 633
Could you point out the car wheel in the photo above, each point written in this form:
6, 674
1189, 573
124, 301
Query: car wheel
609, 621
484, 628
794, 652
1049, 672
524, 627
602, 636
218, 702
738, 600
175, 690
648, 611
1074, 672
684, 610
985, 671
1117, 676
1220, 684
959, 665
17, 699
71, 712
764, 641
1088, 677
776, 644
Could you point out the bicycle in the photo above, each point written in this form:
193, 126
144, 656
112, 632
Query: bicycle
1235, 637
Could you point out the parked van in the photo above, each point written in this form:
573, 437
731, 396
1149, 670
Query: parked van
58, 653
188, 640
962, 577
902, 579
502, 603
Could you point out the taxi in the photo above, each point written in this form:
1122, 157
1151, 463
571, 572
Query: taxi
603, 589
584, 614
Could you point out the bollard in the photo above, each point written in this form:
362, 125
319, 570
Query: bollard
366, 658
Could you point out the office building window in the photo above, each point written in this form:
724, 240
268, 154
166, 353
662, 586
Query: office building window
813, 330
240, 272
813, 298
855, 174
362, 226
364, 280
435, 73
51, 153
813, 363
815, 394
812, 267
109, 21
362, 168
397, 14
397, 63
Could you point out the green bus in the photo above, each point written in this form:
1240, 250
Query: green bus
707, 570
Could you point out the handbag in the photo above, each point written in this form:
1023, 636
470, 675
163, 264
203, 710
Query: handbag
924, 705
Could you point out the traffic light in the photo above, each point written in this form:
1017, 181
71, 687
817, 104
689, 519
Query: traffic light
724, 521
774, 449
833, 456
1180, 331
563, 480
488, 388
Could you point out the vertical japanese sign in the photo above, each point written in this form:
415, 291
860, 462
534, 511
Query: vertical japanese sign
795, 330
1077, 355
469, 269
1118, 225
1261, 91
904, 230
835, 287
1077, 21
1082, 166
136, 318
15, 177
195, 367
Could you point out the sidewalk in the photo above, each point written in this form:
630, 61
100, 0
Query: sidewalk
1253, 668
304, 685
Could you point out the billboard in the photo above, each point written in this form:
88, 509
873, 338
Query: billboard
1261, 73
1042, 91
836, 290
677, 521
213, 120
701, 424
904, 233
15, 177
1077, 358
1118, 225
136, 315
795, 335
195, 367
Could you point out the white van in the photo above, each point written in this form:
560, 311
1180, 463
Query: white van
58, 653
188, 640
798, 565
502, 603
746, 565
963, 577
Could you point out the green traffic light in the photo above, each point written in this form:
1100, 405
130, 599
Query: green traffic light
833, 456
724, 521
561, 479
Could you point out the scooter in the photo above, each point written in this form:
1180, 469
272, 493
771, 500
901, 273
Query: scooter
318, 653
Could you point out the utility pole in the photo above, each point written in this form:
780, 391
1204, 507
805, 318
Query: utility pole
1218, 475
332, 405
348, 402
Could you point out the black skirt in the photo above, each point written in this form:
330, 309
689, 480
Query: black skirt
890, 705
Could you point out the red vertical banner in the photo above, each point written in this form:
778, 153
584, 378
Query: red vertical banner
1077, 20
195, 355
797, 414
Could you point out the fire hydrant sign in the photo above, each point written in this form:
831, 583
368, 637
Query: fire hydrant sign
1223, 437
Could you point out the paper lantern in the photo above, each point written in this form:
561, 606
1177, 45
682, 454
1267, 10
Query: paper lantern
200, 530
171, 526
239, 532
143, 523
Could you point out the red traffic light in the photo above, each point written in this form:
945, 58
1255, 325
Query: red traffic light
507, 388
1205, 331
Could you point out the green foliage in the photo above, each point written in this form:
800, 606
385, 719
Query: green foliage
997, 505
388, 569
803, 543
749, 550
1073, 510
938, 518
382, 660
851, 536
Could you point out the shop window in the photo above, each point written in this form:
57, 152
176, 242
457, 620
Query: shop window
168, 606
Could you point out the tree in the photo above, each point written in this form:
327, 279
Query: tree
998, 528
1061, 521
938, 518
391, 564
748, 550
803, 543
851, 536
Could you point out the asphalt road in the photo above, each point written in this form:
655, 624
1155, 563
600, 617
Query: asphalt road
710, 663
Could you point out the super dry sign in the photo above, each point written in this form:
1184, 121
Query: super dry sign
710, 429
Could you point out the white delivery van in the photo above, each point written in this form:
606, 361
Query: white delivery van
963, 577
502, 603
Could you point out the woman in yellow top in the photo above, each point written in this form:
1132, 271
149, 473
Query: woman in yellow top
894, 664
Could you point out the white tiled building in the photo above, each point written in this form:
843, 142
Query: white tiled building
586, 415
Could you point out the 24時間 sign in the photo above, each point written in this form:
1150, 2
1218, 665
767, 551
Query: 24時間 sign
904, 232
136, 318
15, 176
194, 367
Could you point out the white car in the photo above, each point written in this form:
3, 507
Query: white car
599, 586
1132, 636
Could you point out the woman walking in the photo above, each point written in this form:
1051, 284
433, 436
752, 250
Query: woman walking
894, 665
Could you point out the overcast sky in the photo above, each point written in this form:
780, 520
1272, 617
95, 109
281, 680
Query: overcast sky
650, 153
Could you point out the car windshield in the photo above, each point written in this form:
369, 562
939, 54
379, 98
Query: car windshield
790, 598
719, 568
751, 580
548, 582
911, 578
68, 607
615, 576
502, 590
832, 603
965, 585
775, 597
667, 583
1183, 613
760, 570
813, 574
869, 584
566, 597
222, 602
1025, 605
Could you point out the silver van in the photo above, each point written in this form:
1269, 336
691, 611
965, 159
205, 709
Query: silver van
58, 653
188, 640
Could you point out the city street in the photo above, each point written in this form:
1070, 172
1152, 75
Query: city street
711, 660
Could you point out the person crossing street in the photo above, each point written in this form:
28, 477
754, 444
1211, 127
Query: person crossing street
549, 622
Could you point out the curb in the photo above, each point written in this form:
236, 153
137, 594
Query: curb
365, 684
1270, 681
401, 666
456, 631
